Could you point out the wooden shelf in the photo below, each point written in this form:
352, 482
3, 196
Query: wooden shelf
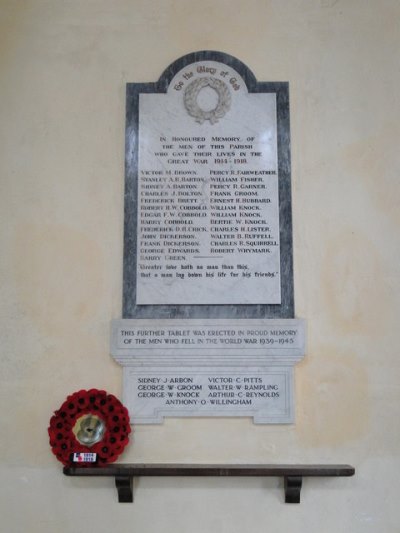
292, 474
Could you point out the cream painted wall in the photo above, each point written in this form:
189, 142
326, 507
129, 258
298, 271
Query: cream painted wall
64, 65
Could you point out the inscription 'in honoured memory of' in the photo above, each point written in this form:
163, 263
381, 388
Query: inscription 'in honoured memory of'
208, 206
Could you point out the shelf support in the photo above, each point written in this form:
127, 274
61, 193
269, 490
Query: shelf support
293, 488
124, 486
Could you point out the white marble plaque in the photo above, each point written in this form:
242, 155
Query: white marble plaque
208, 205
208, 367
264, 394
207, 338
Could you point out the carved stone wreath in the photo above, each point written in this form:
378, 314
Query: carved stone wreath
193, 108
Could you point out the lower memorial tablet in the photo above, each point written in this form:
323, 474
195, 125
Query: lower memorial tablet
208, 367
210, 392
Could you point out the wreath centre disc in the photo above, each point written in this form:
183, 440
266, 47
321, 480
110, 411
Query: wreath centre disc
89, 429
207, 99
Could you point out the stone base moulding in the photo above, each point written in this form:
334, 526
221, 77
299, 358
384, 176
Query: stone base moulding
292, 474
208, 367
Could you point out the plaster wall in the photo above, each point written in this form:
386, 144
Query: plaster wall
63, 70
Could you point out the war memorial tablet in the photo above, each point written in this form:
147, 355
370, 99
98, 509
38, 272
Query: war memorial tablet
208, 325
208, 223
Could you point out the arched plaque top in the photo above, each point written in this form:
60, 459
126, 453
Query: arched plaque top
207, 55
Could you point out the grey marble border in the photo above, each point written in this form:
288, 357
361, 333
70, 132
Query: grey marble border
281, 89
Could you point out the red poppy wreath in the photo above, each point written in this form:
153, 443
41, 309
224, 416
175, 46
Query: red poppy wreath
90, 421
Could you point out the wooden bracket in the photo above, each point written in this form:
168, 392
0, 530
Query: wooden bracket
293, 488
124, 486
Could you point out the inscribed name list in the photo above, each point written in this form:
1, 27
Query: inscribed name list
208, 205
